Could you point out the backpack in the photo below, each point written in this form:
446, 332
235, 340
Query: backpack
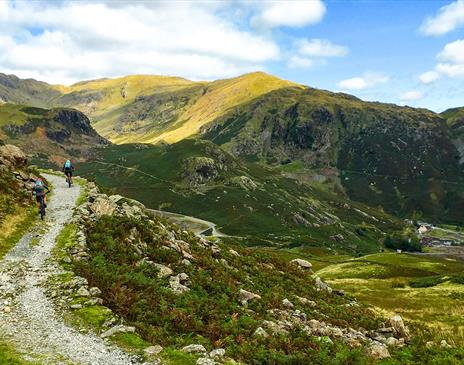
67, 164
39, 188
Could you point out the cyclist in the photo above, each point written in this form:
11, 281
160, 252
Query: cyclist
39, 191
68, 169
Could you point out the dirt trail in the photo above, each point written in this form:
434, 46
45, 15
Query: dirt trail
33, 326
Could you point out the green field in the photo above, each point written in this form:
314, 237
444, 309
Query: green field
423, 289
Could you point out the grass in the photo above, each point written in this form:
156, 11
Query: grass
9, 356
419, 288
14, 225
154, 175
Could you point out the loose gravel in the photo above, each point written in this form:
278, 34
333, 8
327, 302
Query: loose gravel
28, 318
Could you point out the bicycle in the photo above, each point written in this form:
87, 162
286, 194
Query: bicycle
42, 206
69, 178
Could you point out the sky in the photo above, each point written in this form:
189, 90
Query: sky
398, 51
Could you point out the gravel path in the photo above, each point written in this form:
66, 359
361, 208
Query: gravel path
27, 317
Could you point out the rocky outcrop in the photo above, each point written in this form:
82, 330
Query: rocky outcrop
12, 157
302, 264
200, 170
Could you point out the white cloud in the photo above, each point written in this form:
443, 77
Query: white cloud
289, 13
429, 77
453, 52
449, 17
411, 95
367, 80
300, 62
321, 48
64, 42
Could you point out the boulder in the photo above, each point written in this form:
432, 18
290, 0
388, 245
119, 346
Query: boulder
177, 283
245, 296
287, 303
12, 156
260, 332
205, 361
217, 353
83, 292
153, 350
163, 271
378, 351
94, 292
103, 206
194, 348
117, 329
302, 263
320, 285
399, 329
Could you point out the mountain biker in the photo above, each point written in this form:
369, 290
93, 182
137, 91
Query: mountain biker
68, 169
39, 191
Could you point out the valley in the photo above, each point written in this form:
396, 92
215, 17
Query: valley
272, 170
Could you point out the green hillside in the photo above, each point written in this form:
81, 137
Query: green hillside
400, 158
245, 199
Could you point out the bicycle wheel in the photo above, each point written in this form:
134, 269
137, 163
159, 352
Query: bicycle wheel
42, 208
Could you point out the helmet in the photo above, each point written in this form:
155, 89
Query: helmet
39, 182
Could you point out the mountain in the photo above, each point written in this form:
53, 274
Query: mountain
55, 134
408, 161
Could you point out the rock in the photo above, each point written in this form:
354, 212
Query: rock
115, 199
275, 328
75, 306
399, 329
306, 301
234, 253
217, 353
103, 206
186, 262
378, 351
83, 292
444, 344
95, 292
391, 342
194, 348
287, 303
7, 309
205, 361
429, 344
163, 271
245, 296
320, 285
176, 285
117, 329
153, 350
244, 182
337, 237
302, 263
260, 332
12, 156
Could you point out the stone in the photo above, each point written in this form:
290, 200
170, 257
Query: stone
117, 329
205, 361
302, 263
153, 350
94, 292
391, 342
103, 206
12, 156
115, 198
217, 353
176, 285
194, 348
186, 262
287, 303
399, 329
260, 332
378, 351
429, 344
245, 296
163, 271
444, 344
83, 292
320, 285
75, 306
7, 309
234, 253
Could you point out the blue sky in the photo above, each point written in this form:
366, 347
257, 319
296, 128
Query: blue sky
405, 52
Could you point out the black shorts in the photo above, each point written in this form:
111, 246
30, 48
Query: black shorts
38, 198
68, 172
